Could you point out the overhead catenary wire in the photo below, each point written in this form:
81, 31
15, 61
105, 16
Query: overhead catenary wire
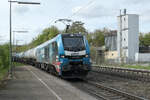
69, 17
82, 8
58, 13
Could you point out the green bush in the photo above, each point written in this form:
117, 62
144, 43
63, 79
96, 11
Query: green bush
4, 60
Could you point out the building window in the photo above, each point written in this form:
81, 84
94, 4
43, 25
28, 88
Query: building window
124, 39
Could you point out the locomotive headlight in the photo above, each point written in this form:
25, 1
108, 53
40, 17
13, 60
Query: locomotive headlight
57, 57
62, 56
86, 56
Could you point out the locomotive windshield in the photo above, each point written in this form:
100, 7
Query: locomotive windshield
73, 43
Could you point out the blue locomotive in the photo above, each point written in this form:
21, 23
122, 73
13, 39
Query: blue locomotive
66, 55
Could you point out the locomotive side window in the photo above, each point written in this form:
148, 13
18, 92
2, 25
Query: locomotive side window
46, 52
56, 48
51, 53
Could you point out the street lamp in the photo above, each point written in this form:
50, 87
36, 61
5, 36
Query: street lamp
10, 19
14, 36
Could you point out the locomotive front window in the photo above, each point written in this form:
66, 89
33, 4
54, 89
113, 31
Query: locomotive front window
73, 43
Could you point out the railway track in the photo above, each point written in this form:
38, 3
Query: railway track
135, 74
109, 93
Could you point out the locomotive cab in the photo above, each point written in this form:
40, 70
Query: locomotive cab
76, 57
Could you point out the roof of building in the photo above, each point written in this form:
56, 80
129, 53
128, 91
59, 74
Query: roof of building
111, 33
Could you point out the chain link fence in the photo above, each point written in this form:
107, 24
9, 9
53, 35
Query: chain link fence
99, 57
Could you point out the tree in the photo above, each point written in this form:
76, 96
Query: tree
4, 56
146, 39
97, 38
53, 31
89, 37
141, 39
77, 27
47, 34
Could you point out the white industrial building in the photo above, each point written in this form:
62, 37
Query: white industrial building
127, 37
128, 50
142, 57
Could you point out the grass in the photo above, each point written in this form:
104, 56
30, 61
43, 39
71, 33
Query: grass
137, 67
18, 64
3, 73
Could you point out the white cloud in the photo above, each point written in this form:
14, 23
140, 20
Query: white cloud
21, 9
76, 9
93, 11
135, 2
97, 14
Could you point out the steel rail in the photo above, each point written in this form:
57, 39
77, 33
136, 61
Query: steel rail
97, 94
115, 91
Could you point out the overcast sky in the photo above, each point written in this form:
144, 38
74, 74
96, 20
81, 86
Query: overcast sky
96, 14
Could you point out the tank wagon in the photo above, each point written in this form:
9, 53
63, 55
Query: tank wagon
66, 55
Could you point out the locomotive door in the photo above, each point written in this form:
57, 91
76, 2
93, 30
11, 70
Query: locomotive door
46, 54
53, 52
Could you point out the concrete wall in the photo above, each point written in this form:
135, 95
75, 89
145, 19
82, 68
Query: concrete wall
128, 37
133, 35
111, 43
111, 55
142, 57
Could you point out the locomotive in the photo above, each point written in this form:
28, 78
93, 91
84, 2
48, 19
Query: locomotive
66, 55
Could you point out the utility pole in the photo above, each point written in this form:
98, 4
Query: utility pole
15, 45
10, 46
120, 36
10, 29
14, 36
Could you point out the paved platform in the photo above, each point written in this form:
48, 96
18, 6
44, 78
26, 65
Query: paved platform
33, 84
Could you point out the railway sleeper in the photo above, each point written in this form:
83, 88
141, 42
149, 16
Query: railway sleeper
128, 75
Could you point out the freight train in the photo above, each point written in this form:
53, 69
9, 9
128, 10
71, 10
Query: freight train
66, 55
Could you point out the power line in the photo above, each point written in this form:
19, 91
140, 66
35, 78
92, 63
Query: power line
88, 3
58, 13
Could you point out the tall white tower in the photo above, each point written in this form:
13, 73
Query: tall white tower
127, 37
